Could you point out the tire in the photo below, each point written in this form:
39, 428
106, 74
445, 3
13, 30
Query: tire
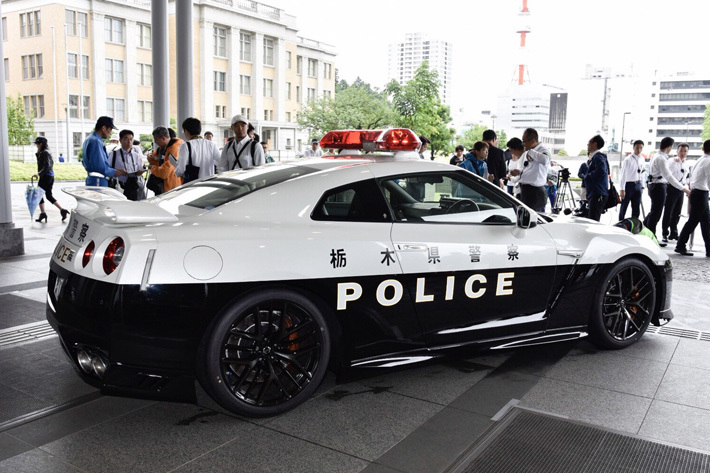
265, 353
623, 305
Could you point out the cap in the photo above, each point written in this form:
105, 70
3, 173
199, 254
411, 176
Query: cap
114, 136
105, 121
314, 140
40, 139
239, 118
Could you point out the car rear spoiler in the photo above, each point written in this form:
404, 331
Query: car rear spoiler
110, 206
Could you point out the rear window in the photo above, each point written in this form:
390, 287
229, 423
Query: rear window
210, 193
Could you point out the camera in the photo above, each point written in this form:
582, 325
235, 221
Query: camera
564, 174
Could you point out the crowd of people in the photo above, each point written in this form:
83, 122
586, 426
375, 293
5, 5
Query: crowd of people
523, 169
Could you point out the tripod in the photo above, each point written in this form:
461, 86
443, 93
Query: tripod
565, 197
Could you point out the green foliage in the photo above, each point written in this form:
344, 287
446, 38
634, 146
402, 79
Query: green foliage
583, 152
146, 141
502, 138
472, 135
705, 135
20, 171
20, 129
419, 107
562, 153
357, 106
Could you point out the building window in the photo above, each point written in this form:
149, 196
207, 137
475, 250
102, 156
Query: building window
145, 111
116, 108
74, 106
34, 106
4, 28
145, 75
268, 88
83, 23
113, 30
299, 65
288, 59
32, 66
268, 116
77, 141
70, 20
312, 67
288, 116
327, 94
298, 93
7, 69
219, 81
87, 106
145, 36
311, 94
288, 91
84, 66
71, 66
220, 41
245, 85
245, 47
30, 24
220, 111
268, 51
327, 70
246, 112
114, 70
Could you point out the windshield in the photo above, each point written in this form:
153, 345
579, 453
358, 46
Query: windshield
207, 194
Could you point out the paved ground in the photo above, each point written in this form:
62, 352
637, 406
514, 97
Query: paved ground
416, 420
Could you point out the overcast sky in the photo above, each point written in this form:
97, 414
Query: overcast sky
566, 35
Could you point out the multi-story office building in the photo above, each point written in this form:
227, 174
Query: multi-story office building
677, 110
406, 57
73, 61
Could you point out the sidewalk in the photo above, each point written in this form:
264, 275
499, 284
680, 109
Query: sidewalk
417, 420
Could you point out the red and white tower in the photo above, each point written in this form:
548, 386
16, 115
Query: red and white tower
523, 31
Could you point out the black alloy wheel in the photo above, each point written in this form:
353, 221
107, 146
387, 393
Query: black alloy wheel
624, 304
265, 354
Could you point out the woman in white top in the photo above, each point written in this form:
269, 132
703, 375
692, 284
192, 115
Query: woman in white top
515, 145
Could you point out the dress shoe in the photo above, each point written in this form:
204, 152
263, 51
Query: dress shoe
673, 236
683, 251
664, 239
662, 245
42, 216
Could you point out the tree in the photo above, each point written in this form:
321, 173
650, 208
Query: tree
705, 135
472, 135
562, 153
20, 127
357, 106
419, 107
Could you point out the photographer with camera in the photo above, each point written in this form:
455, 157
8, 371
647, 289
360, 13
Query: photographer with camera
128, 159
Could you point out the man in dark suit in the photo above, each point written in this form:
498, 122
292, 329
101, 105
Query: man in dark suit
496, 158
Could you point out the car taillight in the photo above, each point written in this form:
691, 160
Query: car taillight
87, 254
113, 255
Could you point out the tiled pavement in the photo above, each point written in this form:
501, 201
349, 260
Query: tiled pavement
415, 420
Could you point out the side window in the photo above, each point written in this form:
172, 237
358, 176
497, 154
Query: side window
358, 202
448, 197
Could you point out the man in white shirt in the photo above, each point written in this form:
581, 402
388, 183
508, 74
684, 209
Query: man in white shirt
699, 212
195, 151
314, 151
242, 152
127, 158
659, 176
674, 197
630, 182
534, 174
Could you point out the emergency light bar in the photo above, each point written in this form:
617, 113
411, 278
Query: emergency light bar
394, 139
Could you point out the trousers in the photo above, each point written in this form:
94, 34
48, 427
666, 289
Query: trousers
633, 192
671, 211
657, 193
699, 214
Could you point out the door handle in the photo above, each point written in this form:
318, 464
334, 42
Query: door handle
412, 247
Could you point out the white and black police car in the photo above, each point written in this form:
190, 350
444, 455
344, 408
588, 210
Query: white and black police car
251, 284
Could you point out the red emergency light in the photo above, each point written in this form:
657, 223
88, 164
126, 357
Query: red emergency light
395, 139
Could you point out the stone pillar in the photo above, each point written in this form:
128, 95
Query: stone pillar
161, 84
233, 73
12, 240
207, 72
280, 83
185, 80
258, 74
98, 75
131, 72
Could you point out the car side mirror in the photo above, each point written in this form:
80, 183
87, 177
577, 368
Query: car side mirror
524, 218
